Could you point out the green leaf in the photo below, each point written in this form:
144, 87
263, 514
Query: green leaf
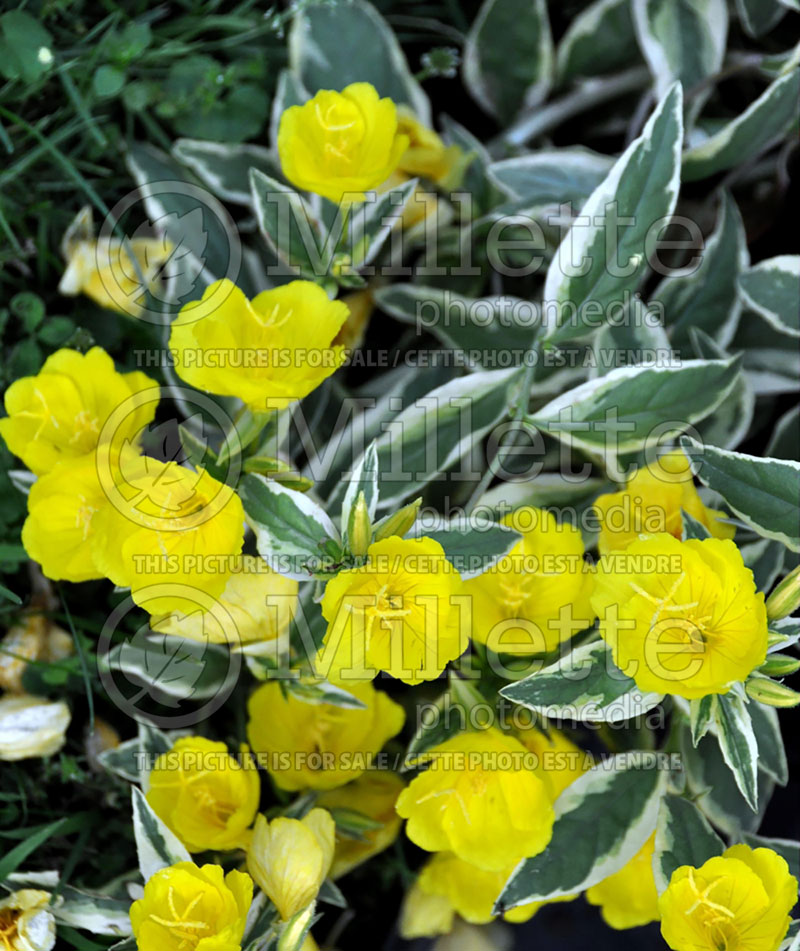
762, 492
288, 92
638, 338
108, 81
331, 46
436, 430
765, 559
371, 221
785, 440
95, 913
290, 227
202, 232
771, 751
773, 114
738, 743
759, 16
472, 550
772, 289
631, 407
692, 528
321, 691
508, 56
551, 177
702, 713
706, 298
682, 40
602, 820
224, 167
642, 186
293, 534
586, 685
446, 718
12, 860
478, 327
131, 759
25, 47
683, 837
156, 846
598, 40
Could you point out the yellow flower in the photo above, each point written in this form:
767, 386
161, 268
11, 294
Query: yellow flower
629, 898
62, 520
479, 800
360, 305
424, 915
258, 602
168, 525
739, 901
340, 143
31, 727
185, 906
471, 891
290, 859
373, 795
426, 155
104, 269
539, 594
559, 761
319, 745
401, 612
204, 795
268, 352
26, 921
651, 502
681, 617
34, 638
60, 413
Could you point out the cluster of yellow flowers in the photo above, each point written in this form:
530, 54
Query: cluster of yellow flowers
681, 617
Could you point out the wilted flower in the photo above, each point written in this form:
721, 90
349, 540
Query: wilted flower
739, 900
185, 906
60, 413
341, 143
479, 799
268, 352
290, 859
319, 745
104, 268
373, 795
538, 595
401, 612
259, 602
26, 921
681, 617
628, 898
31, 727
205, 796
33, 638
651, 502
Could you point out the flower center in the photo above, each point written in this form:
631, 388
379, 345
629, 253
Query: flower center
187, 931
8, 927
717, 919
343, 126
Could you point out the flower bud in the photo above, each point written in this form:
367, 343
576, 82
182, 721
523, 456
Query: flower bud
779, 665
290, 859
359, 527
400, 523
771, 693
786, 597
